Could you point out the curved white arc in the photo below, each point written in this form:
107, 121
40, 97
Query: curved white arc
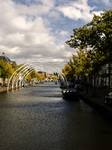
58, 70
15, 72
63, 76
27, 68
27, 74
22, 73
58, 73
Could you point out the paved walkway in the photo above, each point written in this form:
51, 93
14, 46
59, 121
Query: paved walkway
97, 96
97, 100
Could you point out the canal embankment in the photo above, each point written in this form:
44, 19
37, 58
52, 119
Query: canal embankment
96, 100
3, 89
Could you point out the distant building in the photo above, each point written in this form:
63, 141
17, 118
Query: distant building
5, 58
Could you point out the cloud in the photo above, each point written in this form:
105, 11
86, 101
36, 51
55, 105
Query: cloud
78, 10
26, 36
75, 10
16, 30
32, 30
98, 13
63, 33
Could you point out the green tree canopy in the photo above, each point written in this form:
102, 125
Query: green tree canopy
97, 35
79, 64
38, 76
5, 69
33, 74
14, 65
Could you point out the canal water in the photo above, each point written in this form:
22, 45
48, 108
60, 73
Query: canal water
37, 118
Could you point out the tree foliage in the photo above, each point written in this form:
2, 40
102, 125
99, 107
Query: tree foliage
94, 41
33, 74
5, 69
14, 65
79, 64
38, 76
96, 35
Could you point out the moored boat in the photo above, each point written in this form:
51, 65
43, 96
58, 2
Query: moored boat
70, 94
25, 85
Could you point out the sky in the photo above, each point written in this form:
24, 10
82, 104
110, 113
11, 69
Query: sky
36, 30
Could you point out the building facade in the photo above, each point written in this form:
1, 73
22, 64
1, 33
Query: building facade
103, 77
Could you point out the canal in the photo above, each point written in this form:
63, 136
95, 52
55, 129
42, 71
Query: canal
37, 118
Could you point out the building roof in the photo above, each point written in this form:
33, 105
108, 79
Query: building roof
6, 59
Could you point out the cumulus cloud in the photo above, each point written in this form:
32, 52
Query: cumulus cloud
16, 30
33, 30
63, 33
98, 13
78, 10
24, 34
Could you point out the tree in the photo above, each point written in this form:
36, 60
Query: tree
5, 69
33, 74
78, 65
96, 35
68, 71
14, 65
38, 76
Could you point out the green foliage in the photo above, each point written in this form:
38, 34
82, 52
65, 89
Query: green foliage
5, 69
38, 76
97, 34
78, 65
14, 65
54, 77
68, 71
28, 77
44, 77
33, 74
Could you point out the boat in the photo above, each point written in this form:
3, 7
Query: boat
55, 82
70, 94
25, 85
37, 82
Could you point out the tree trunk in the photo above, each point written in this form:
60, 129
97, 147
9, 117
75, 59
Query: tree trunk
86, 86
3, 81
109, 75
94, 92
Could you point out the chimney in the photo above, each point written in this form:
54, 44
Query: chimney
3, 54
